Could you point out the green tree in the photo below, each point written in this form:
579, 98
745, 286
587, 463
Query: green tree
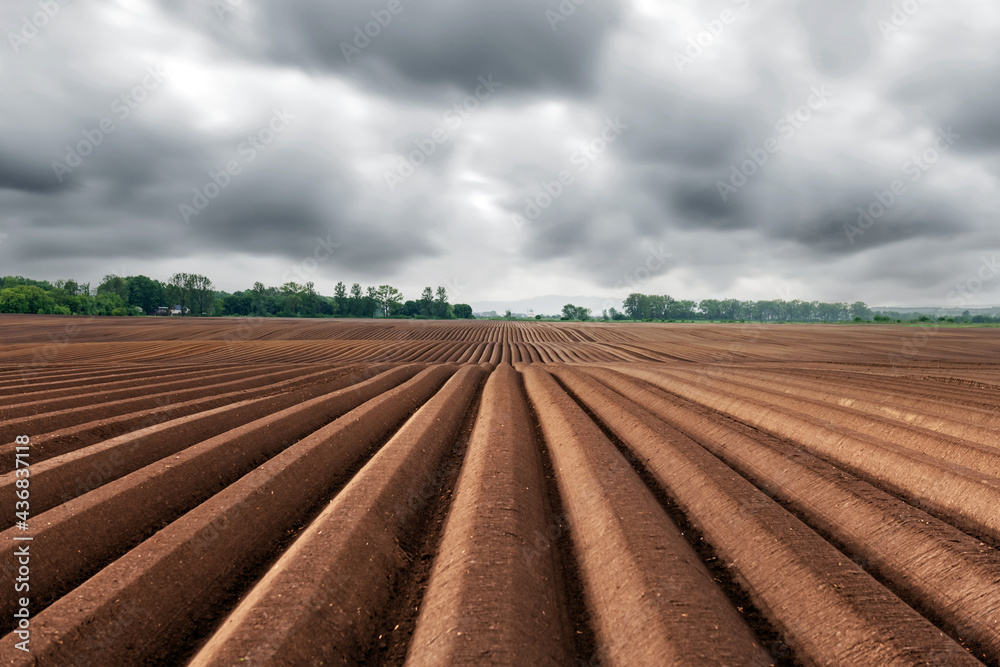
711, 309
15, 300
291, 292
114, 284
571, 312
860, 309
109, 303
442, 309
462, 311
370, 302
178, 291
427, 302
309, 303
71, 286
202, 293
258, 298
340, 297
240, 303
388, 298
145, 293
355, 304
636, 306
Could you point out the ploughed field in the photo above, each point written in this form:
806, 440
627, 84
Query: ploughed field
225, 492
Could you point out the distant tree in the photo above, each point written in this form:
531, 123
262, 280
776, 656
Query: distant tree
240, 303
178, 291
571, 312
309, 302
389, 299
201, 293
507, 314
189, 285
71, 286
636, 306
109, 303
15, 300
680, 310
114, 284
656, 306
146, 293
28, 299
327, 306
427, 302
258, 297
370, 302
355, 304
442, 309
710, 309
859, 309
340, 297
538, 317
462, 311
291, 291
410, 309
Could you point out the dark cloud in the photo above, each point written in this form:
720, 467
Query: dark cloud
296, 198
700, 206
964, 96
652, 191
847, 229
27, 175
528, 46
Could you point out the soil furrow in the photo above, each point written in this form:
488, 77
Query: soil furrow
944, 573
828, 608
357, 533
108, 521
204, 554
650, 597
491, 597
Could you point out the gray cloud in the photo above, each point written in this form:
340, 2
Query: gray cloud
653, 189
402, 46
839, 42
19, 173
961, 95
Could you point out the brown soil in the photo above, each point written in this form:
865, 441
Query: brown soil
213, 491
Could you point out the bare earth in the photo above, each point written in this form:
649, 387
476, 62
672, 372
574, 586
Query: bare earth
258, 492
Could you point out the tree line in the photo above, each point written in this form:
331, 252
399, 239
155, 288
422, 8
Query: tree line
665, 308
195, 295
657, 307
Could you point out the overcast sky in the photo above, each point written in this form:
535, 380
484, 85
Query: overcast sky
508, 149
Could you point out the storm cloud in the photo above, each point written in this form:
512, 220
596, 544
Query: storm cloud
841, 150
